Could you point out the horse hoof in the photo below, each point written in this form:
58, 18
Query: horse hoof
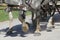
25, 28
37, 33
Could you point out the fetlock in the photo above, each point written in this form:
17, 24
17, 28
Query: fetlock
25, 27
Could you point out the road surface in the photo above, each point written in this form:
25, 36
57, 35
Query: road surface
53, 35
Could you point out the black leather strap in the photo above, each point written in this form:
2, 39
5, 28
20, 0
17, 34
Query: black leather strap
42, 1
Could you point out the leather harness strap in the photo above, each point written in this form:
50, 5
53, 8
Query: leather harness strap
42, 1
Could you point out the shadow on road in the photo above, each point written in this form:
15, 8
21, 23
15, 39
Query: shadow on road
57, 17
17, 30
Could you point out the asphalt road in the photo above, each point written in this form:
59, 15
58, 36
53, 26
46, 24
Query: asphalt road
53, 35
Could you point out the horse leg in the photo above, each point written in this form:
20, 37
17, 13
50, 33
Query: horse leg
32, 16
22, 19
10, 20
51, 22
55, 3
37, 23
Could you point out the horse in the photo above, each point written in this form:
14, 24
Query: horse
10, 5
34, 6
50, 10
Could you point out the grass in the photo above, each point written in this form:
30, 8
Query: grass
4, 15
